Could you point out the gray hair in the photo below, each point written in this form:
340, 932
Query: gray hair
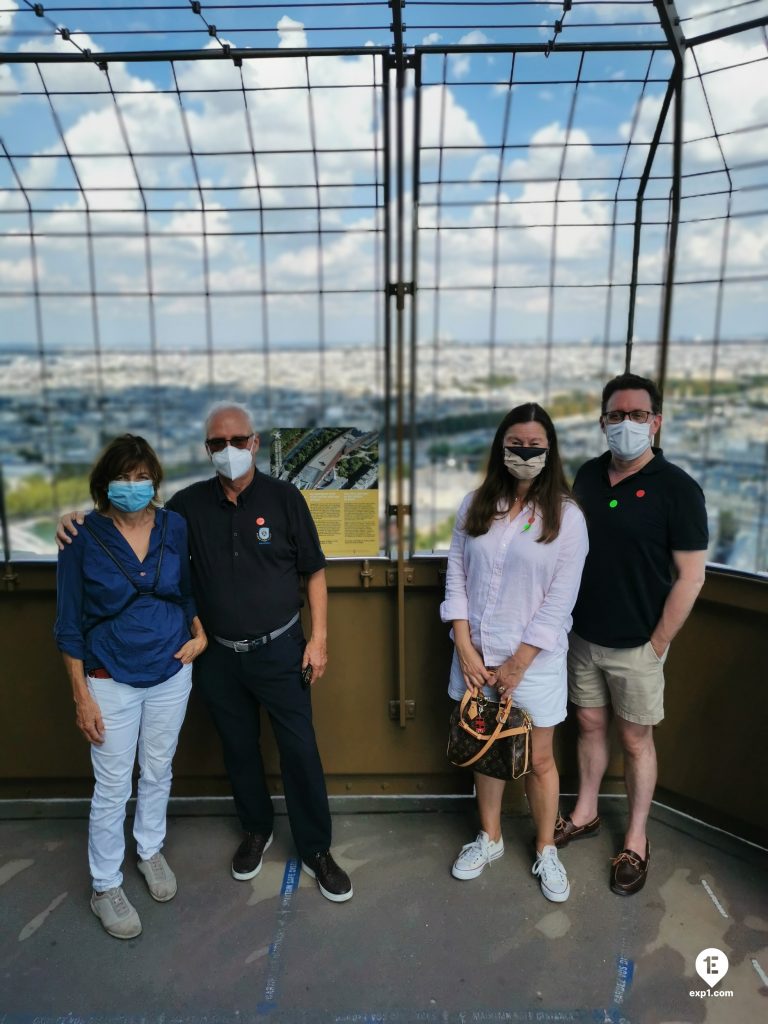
219, 407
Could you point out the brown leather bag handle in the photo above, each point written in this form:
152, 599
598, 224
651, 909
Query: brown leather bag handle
498, 733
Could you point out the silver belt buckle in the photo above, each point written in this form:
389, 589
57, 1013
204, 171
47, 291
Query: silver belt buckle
242, 646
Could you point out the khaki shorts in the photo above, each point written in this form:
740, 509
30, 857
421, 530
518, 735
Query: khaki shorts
630, 679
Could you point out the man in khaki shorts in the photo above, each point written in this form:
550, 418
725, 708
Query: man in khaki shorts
647, 551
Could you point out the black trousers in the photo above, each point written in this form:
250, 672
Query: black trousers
234, 687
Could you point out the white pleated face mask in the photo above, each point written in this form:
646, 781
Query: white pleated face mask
232, 462
628, 440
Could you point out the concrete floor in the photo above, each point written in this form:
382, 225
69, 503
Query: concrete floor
413, 945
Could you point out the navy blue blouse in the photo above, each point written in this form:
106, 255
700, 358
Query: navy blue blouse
101, 622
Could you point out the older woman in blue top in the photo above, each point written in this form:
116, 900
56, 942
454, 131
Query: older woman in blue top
128, 632
516, 559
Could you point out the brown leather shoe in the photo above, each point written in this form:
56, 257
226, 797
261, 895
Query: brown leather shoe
629, 871
565, 830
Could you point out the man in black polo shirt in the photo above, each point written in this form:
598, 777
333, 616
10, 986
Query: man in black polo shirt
647, 551
251, 538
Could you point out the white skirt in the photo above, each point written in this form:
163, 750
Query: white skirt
542, 692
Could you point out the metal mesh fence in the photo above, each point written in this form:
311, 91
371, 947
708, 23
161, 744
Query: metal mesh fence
188, 233
392, 218
567, 241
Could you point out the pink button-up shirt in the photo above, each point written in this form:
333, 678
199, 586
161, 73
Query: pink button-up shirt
513, 590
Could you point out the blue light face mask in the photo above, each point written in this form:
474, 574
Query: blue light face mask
129, 496
628, 440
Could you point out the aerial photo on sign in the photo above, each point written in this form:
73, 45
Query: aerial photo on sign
326, 458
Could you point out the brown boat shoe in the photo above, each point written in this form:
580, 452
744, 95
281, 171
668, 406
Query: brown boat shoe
629, 871
565, 830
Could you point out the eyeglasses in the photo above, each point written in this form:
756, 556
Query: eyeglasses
637, 416
218, 444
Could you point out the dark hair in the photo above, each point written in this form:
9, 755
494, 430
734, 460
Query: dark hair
631, 382
122, 455
546, 492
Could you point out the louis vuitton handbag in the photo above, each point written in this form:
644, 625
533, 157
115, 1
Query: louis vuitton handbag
491, 738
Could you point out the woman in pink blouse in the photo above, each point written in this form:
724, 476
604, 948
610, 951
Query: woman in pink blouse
514, 568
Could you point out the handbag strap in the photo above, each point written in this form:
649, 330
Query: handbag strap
506, 709
497, 732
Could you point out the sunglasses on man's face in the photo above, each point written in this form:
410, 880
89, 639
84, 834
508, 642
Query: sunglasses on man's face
218, 444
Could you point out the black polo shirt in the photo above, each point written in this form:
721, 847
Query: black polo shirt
633, 529
247, 559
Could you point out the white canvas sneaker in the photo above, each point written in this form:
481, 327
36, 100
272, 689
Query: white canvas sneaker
552, 876
474, 856
161, 881
116, 913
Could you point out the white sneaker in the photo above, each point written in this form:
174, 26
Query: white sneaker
474, 856
554, 881
116, 913
161, 881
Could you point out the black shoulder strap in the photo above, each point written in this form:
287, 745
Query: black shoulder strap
163, 531
109, 554
124, 571
121, 567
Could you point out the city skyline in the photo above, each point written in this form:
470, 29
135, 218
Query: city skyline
710, 424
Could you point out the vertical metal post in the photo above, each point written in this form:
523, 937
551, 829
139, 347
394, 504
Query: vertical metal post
670, 23
398, 63
415, 197
643, 184
387, 199
674, 226
9, 577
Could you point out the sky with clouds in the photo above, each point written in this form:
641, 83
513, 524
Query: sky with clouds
527, 175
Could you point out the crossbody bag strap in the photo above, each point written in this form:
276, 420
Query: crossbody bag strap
119, 564
484, 749
163, 531
110, 555
137, 592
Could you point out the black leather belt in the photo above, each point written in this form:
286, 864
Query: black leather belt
244, 646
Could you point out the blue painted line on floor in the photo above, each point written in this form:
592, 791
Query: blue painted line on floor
625, 972
290, 884
625, 965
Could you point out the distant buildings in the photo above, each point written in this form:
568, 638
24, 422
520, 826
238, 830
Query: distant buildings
55, 418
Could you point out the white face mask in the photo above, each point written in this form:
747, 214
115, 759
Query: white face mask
628, 440
524, 468
232, 462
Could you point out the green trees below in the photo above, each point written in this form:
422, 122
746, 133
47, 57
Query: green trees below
37, 495
349, 466
439, 537
302, 453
